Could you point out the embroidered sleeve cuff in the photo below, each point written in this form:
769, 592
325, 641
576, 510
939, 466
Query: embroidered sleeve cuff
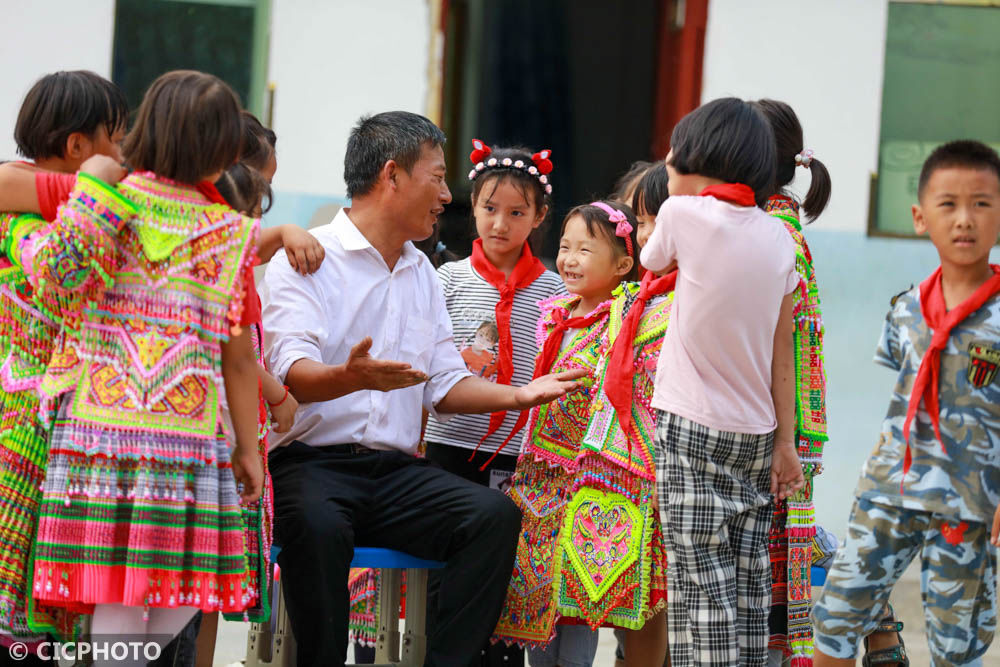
104, 201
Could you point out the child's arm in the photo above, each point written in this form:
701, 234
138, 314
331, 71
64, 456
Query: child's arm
239, 372
279, 400
70, 261
304, 252
786, 470
24, 187
17, 188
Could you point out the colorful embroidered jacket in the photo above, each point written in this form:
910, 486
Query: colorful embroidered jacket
613, 569
80, 251
133, 387
793, 526
542, 482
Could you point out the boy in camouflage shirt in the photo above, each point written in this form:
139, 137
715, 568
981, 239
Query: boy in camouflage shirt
932, 484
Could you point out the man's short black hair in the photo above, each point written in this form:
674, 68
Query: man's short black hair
728, 139
63, 103
392, 135
966, 153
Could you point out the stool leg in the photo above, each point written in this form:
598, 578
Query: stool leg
283, 654
415, 637
259, 646
387, 646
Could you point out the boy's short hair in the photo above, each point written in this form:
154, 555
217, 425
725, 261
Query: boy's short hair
966, 153
392, 135
727, 139
63, 103
188, 127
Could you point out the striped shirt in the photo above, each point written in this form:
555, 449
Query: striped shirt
471, 303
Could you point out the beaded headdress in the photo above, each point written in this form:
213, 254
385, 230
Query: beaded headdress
539, 167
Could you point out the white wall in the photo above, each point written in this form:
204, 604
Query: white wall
44, 37
826, 60
331, 62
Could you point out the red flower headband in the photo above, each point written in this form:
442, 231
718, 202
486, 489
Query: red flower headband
541, 167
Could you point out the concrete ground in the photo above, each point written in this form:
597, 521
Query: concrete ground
231, 644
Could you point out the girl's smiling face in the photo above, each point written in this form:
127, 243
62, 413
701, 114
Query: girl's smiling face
590, 266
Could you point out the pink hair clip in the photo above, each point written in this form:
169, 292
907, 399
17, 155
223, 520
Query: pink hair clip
804, 158
623, 228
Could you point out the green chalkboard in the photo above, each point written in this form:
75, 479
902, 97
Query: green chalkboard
155, 36
942, 82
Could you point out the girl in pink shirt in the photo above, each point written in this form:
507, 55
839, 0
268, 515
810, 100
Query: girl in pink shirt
724, 383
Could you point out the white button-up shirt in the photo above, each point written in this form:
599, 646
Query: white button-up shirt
354, 295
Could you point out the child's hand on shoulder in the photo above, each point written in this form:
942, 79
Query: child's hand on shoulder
786, 470
304, 252
105, 168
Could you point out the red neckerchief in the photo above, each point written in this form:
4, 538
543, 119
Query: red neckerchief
211, 192
525, 272
732, 193
618, 377
547, 357
941, 321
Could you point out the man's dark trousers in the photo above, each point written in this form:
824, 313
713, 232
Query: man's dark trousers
327, 499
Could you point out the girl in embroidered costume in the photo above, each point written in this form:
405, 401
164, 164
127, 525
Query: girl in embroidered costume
596, 252
493, 296
140, 504
66, 118
244, 187
793, 524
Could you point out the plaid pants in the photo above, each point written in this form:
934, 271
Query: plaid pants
715, 508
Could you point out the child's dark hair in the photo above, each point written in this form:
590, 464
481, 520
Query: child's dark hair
259, 142
528, 185
244, 189
651, 191
966, 153
728, 139
629, 179
63, 103
487, 182
391, 135
188, 126
599, 225
244, 180
788, 144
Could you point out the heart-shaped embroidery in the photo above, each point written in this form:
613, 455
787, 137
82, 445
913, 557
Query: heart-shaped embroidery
601, 537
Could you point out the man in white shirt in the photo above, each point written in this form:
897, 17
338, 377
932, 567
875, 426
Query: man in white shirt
346, 473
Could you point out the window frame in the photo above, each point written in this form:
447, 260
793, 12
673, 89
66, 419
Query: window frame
872, 227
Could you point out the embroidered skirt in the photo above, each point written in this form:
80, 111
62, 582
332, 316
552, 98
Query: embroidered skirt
590, 549
140, 519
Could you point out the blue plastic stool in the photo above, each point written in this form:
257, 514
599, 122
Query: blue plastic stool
274, 644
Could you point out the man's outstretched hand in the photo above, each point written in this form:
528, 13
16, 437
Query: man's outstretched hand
371, 373
548, 388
